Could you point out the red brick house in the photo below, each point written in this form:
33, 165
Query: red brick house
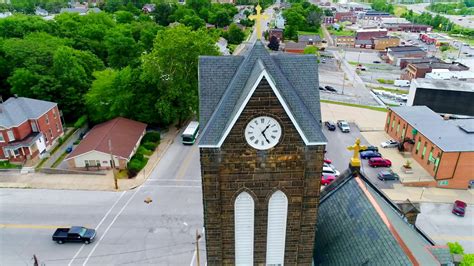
345, 16
28, 127
94, 150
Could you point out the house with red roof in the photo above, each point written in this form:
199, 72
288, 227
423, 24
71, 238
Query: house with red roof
119, 137
28, 127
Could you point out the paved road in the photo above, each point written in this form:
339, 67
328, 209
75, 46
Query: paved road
129, 231
459, 20
442, 226
243, 47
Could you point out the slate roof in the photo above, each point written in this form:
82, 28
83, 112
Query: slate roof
307, 38
449, 137
224, 82
123, 133
16, 111
358, 225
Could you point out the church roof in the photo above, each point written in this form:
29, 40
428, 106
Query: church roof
358, 225
226, 81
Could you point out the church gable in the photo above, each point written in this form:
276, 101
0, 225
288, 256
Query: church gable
294, 70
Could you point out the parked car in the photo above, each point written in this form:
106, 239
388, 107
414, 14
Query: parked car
74, 234
379, 162
327, 179
330, 170
459, 208
330, 88
321, 88
369, 148
330, 125
387, 175
343, 126
69, 149
370, 154
327, 161
376, 62
389, 144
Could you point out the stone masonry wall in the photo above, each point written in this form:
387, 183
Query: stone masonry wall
291, 167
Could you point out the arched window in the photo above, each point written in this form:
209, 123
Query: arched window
276, 230
244, 208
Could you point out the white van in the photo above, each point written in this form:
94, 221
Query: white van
401, 83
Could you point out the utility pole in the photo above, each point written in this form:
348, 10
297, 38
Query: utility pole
112, 164
198, 236
343, 82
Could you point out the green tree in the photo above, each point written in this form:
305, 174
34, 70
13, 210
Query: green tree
123, 17
163, 13
172, 68
20, 25
194, 21
234, 34
122, 49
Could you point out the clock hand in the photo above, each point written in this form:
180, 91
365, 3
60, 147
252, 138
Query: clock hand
263, 133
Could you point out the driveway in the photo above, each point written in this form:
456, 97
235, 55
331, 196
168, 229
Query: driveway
63, 148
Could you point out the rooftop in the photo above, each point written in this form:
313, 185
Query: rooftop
371, 30
436, 84
366, 228
446, 135
307, 38
226, 83
123, 134
398, 49
17, 110
441, 65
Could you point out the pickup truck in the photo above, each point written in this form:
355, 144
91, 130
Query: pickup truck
74, 234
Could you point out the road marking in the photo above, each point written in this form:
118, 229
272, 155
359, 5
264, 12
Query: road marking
110, 225
97, 227
187, 160
32, 226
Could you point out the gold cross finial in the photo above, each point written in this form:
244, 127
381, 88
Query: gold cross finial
258, 21
355, 161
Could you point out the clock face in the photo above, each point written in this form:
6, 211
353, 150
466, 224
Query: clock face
263, 132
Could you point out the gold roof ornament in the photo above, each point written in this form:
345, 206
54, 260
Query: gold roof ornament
355, 161
258, 21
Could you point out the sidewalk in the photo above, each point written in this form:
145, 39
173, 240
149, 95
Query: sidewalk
88, 182
434, 195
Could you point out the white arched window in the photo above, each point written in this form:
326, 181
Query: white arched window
276, 230
244, 227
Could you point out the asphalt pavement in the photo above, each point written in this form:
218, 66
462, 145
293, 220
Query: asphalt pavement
129, 231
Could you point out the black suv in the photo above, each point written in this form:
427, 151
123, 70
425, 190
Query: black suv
330, 125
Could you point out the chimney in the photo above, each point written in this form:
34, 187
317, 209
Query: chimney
410, 210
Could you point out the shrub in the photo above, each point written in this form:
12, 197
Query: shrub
142, 150
76, 142
468, 259
150, 146
60, 140
81, 121
138, 156
152, 136
455, 248
135, 165
385, 81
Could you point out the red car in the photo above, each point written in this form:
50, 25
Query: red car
459, 208
327, 179
379, 162
327, 161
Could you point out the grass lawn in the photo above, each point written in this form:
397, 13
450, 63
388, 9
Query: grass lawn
389, 89
8, 165
467, 40
400, 10
340, 33
59, 160
319, 32
375, 108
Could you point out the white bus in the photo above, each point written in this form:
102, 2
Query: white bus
191, 133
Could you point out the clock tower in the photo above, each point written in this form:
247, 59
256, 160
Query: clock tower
261, 152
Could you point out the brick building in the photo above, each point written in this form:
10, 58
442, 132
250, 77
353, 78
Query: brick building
328, 20
419, 70
382, 43
430, 60
278, 33
345, 16
309, 39
294, 47
344, 41
444, 148
369, 34
260, 195
28, 127
434, 38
